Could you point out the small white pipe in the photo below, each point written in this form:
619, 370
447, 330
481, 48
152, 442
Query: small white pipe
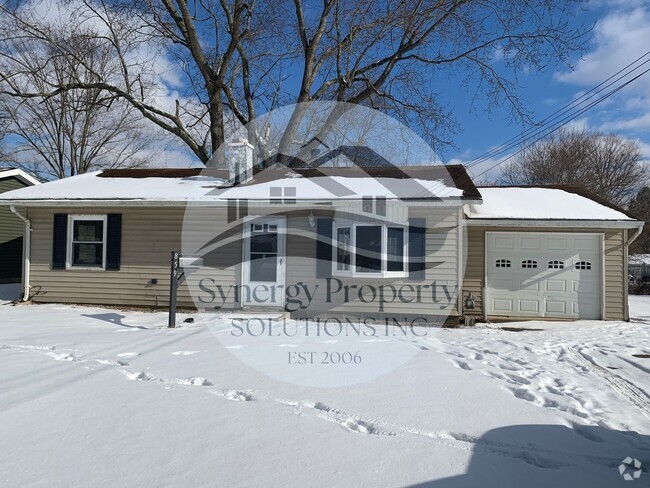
27, 247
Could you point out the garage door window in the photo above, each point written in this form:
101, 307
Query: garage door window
529, 264
556, 265
583, 265
502, 263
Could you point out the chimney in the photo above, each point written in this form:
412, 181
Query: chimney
239, 160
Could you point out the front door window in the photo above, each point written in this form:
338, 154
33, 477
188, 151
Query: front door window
263, 253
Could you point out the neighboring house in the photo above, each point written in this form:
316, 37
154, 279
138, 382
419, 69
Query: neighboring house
418, 236
11, 227
639, 267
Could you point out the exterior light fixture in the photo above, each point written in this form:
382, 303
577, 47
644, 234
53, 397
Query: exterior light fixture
311, 219
470, 302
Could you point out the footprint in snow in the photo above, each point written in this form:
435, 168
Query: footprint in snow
235, 395
127, 354
359, 426
183, 353
137, 376
462, 365
62, 357
195, 381
110, 362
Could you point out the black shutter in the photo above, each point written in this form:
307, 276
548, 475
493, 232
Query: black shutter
324, 248
417, 234
59, 240
113, 241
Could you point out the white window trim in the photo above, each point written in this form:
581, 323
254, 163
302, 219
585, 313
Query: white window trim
352, 272
68, 260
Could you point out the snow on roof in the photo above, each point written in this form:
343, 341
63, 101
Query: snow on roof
89, 186
201, 188
326, 187
539, 203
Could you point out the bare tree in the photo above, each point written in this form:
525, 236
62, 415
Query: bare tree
608, 165
640, 208
245, 57
74, 131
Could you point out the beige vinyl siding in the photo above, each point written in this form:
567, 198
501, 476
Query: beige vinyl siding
150, 234
441, 248
148, 237
614, 269
11, 236
11, 227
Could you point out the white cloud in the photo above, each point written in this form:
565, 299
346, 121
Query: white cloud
619, 38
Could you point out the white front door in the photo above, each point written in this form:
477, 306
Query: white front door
544, 274
263, 269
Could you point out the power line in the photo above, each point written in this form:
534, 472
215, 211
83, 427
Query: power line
566, 109
567, 120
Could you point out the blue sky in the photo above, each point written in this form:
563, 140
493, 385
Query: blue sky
621, 34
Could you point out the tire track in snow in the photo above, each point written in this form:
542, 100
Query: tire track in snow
536, 456
623, 387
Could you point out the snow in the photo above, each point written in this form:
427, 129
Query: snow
329, 187
104, 397
639, 259
539, 203
91, 187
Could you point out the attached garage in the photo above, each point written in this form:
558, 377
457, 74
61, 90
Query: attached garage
544, 275
553, 253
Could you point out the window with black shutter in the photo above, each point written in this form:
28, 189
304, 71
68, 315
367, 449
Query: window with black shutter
324, 247
113, 242
59, 240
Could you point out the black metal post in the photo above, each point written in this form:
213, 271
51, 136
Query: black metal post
173, 288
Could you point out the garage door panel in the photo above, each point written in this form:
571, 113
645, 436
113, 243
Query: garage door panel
504, 242
530, 243
529, 306
551, 274
555, 307
529, 285
504, 284
502, 305
556, 285
584, 244
556, 244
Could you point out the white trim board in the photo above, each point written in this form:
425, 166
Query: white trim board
21, 175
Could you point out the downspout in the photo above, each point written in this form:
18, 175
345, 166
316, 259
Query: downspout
27, 247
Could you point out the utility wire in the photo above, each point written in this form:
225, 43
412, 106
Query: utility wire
575, 104
566, 120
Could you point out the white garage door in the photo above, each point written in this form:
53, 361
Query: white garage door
544, 274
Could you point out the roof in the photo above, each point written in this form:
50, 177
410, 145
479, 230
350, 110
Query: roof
19, 174
543, 203
170, 186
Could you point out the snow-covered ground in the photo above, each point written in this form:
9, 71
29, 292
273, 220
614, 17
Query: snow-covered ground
95, 397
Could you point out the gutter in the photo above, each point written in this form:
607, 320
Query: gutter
454, 202
27, 247
556, 223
